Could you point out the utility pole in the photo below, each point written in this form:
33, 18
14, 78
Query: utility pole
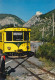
43, 33
53, 23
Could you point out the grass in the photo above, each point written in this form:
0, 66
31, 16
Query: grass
47, 63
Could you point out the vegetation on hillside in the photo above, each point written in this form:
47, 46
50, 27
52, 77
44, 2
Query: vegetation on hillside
47, 23
35, 34
48, 15
20, 21
47, 50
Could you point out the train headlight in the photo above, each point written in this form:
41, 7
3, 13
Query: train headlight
18, 44
8, 48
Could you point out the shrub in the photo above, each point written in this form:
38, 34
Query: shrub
46, 50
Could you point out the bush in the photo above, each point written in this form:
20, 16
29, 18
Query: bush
53, 40
47, 50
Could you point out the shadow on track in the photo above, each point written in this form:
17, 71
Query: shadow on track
2, 76
13, 69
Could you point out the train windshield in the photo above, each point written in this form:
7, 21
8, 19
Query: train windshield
9, 36
17, 36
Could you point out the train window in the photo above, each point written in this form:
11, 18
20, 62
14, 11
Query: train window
9, 36
26, 35
0, 36
17, 36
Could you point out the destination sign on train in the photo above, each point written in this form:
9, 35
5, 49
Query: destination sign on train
17, 33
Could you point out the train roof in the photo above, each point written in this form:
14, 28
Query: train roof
15, 29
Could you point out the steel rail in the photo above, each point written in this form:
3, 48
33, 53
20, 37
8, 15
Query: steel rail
41, 68
35, 75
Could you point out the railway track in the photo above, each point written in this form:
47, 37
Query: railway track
41, 68
33, 73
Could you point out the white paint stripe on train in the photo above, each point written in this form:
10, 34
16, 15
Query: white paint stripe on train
8, 61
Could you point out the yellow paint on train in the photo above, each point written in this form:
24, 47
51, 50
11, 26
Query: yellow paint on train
14, 39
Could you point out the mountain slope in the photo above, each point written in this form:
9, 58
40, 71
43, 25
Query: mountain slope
43, 30
32, 21
6, 19
41, 26
39, 19
48, 15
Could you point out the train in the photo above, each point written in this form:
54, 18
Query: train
14, 42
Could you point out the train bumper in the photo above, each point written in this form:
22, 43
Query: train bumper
28, 53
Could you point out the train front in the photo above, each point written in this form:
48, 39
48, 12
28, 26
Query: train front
18, 42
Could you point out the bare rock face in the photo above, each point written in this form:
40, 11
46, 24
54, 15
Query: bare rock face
32, 21
38, 13
40, 18
8, 20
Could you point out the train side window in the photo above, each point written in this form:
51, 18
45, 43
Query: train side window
26, 35
9, 36
0, 36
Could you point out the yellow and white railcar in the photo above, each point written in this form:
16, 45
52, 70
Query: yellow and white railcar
15, 41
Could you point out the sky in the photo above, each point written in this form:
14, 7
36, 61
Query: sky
25, 9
